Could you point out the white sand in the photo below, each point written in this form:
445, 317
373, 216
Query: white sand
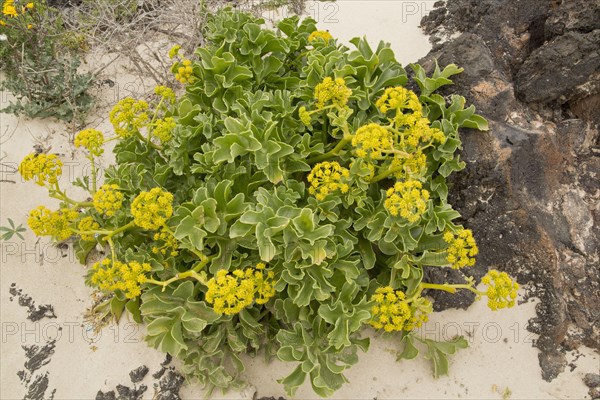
500, 355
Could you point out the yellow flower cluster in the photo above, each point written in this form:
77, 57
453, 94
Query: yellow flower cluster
501, 291
231, 293
151, 209
174, 51
41, 167
128, 116
264, 284
44, 222
327, 177
304, 116
420, 309
170, 245
163, 129
184, 72
9, 8
126, 277
332, 90
399, 98
166, 93
108, 199
371, 140
323, 35
407, 200
462, 248
393, 313
88, 224
90, 139
413, 166
417, 130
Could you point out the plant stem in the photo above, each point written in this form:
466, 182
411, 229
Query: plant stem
385, 174
331, 153
119, 230
112, 248
451, 288
153, 119
93, 174
153, 145
183, 275
393, 278
56, 193
108, 234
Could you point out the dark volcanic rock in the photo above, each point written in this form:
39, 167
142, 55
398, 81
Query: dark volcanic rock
531, 191
110, 395
271, 398
573, 15
561, 69
591, 380
169, 385
138, 374
34, 313
443, 300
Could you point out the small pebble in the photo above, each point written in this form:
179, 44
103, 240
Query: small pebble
592, 380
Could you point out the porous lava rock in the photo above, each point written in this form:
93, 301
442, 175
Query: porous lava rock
531, 188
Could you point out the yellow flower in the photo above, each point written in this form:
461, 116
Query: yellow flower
44, 222
462, 248
163, 129
184, 72
407, 200
88, 224
304, 116
39, 220
170, 245
326, 178
393, 312
321, 35
420, 309
231, 293
334, 91
108, 199
263, 284
9, 9
41, 167
416, 131
117, 276
90, 139
29, 6
128, 116
399, 98
174, 51
151, 209
412, 167
438, 136
165, 92
501, 291
371, 140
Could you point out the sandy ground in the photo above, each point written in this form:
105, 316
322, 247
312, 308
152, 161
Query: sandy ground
500, 360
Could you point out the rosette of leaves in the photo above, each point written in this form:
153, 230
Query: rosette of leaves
237, 165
